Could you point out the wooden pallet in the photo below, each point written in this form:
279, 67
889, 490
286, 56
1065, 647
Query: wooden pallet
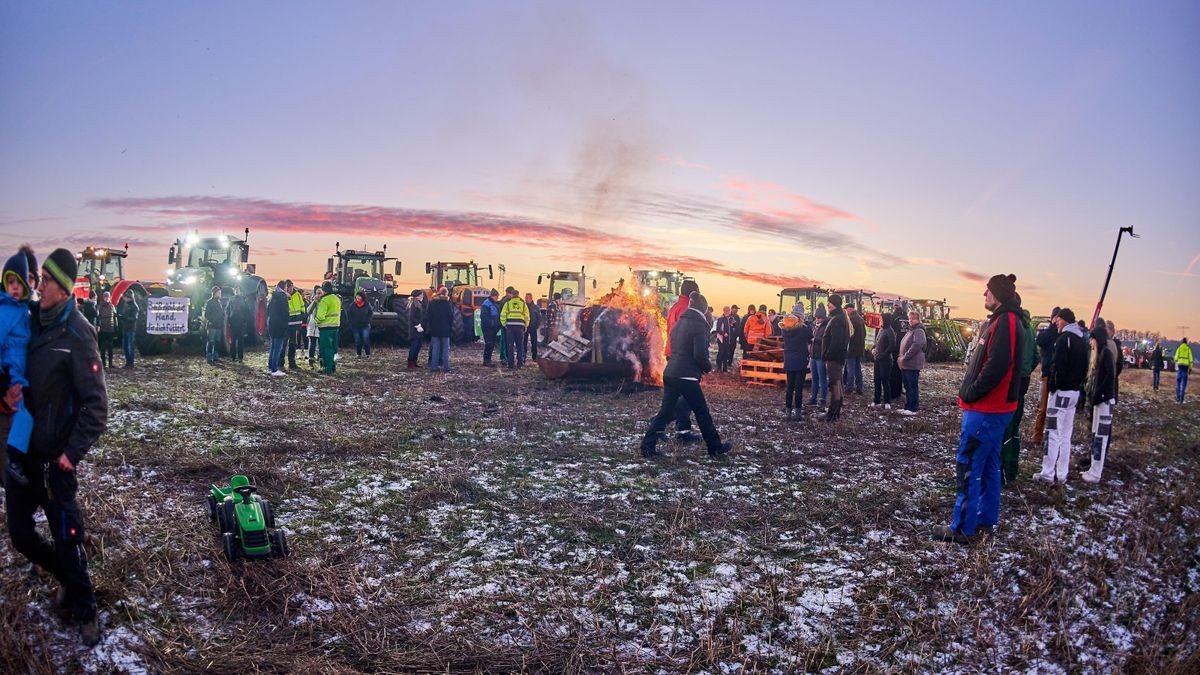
568, 348
768, 373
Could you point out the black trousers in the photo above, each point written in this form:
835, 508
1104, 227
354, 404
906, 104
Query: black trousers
237, 347
515, 335
531, 336
794, 395
883, 380
674, 390
106, 341
489, 345
52, 490
297, 336
725, 354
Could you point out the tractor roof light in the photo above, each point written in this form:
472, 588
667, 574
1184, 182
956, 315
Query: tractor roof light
192, 239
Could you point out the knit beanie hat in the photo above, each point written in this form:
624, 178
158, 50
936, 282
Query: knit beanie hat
1003, 286
798, 311
63, 267
18, 266
821, 313
836, 301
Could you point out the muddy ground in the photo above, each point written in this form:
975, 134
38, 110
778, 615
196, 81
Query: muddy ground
493, 521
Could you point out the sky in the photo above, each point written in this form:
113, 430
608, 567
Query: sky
904, 148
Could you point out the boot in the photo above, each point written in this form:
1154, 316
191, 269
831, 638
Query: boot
412, 363
791, 415
943, 533
834, 411
89, 632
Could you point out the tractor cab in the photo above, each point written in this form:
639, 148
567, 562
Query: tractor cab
930, 310
461, 279
808, 298
352, 271
572, 287
99, 270
662, 284
864, 303
197, 264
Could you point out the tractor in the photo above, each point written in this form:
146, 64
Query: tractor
245, 520
663, 285
573, 290
808, 298
199, 263
103, 269
352, 271
945, 335
462, 280
863, 302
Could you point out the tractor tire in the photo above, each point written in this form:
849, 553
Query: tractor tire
268, 514
400, 307
279, 546
230, 546
212, 509
458, 329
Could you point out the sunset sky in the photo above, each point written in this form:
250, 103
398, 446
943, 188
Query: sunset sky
911, 148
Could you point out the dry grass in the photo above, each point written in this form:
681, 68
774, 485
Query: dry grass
493, 522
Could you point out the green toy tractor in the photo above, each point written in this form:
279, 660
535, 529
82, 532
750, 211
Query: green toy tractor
246, 522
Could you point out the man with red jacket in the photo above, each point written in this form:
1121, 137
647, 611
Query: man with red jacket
683, 412
989, 396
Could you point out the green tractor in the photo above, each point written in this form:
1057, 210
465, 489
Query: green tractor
808, 298
946, 339
197, 264
246, 521
663, 285
352, 271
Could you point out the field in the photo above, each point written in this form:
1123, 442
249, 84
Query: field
486, 520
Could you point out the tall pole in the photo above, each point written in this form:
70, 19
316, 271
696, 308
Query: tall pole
1108, 278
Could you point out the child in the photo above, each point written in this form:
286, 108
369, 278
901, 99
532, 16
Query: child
14, 341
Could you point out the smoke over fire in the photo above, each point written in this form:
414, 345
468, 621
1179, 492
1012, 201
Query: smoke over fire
626, 325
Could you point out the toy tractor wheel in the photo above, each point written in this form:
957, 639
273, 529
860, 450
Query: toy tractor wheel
212, 509
279, 543
268, 514
229, 543
228, 521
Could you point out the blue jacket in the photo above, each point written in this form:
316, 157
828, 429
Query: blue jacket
489, 317
14, 338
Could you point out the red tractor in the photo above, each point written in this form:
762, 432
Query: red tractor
103, 269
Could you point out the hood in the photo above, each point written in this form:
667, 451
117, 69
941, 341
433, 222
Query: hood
1073, 328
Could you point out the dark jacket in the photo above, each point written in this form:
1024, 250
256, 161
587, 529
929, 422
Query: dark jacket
735, 327
240, 318
535, 316
1102, 383
1046, 338
106, 314
277, 314
885, 344
489, 316
214, 314
835, 344
360, 317
88, 309
795, 347
819, 339
66, 395
1069, 369
416, 315
689, 347
1156, 359
128, 312
858, 340
992, 382
439, 318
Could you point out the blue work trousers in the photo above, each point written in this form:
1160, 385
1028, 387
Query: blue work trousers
852, 377
1181, 375
978, 471
275, 356
820, 382
127, 341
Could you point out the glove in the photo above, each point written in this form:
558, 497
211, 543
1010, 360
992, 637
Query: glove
420, 329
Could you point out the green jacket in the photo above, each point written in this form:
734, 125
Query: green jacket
329, 311
514, 311
1029, 358
1183, 355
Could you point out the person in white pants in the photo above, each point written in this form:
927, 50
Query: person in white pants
1102, 394
1067, 374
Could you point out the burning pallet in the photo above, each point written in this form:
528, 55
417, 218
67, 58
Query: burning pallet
568, 348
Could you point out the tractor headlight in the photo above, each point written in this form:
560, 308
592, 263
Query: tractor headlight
189, 280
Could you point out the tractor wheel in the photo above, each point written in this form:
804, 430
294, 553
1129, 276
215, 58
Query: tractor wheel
279, 544
230, 545
212, 508
268, 515
400, 307
458, 329
227, 520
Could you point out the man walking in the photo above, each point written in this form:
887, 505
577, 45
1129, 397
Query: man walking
835, 344
277, 329
1045, 344
1102, 395
687, 364
1067, 374
1157, 363
69, 404
1183, 363
988, 396
515, 317
214, 319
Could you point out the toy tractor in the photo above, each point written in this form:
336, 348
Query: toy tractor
246, 522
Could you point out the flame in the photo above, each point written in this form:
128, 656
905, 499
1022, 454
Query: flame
644, 339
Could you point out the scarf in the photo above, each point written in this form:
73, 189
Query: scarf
48, 316
358, 302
